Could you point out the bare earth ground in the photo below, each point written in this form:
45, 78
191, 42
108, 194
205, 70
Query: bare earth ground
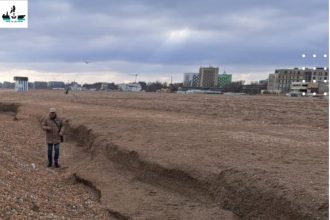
28, 190
170, 156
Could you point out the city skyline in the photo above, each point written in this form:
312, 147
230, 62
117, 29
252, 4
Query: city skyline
157, 40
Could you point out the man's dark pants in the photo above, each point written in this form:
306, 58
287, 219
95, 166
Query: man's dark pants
50, 153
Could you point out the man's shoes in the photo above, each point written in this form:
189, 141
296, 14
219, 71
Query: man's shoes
49, 165
57, 165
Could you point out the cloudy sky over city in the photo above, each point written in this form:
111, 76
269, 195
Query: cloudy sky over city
158, 39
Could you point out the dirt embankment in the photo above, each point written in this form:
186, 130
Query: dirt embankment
249, 194
125, 167
9, 108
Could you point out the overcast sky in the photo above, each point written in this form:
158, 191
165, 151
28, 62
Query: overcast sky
160, 38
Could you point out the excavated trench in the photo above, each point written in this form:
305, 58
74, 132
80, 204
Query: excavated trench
97, 191
9, 108
249, 194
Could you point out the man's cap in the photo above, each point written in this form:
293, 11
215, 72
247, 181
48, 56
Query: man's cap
52, 110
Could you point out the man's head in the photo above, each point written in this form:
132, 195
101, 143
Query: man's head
52, 113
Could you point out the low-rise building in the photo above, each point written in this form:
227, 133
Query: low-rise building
21, 84
56, 85
8, 85
74, 86
31, 85
40, 85
254, 89
263, 82
299, 87
104, 86
131, 87
309, 87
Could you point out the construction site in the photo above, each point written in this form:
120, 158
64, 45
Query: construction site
165, 156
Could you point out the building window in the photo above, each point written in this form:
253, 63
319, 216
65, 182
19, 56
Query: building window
314, 77
326, 73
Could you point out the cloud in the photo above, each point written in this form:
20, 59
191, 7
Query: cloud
167, 37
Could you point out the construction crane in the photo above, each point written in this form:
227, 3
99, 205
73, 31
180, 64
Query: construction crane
136, 75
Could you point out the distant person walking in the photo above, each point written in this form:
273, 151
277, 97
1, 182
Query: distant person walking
67, 90
54, 128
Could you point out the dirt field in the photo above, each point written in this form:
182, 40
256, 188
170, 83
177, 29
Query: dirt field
171, 156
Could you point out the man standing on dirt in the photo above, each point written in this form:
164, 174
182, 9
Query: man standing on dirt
54, 136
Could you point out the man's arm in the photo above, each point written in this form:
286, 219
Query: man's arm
45, 125
62, 128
